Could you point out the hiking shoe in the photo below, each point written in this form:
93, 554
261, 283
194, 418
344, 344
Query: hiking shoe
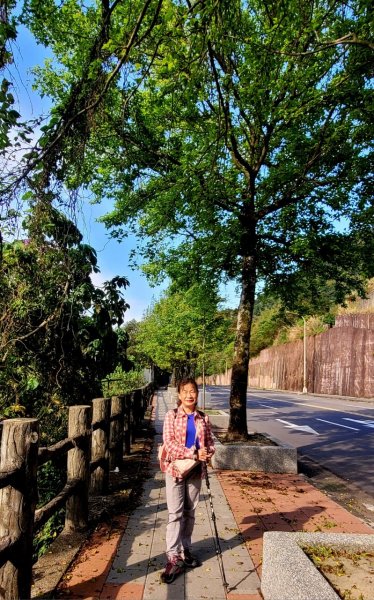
190, 560
174, 567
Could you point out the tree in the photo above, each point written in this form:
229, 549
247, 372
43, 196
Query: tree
8, 33
57, 331
182, 331
237, 140
247, 145
60, 318
93, 45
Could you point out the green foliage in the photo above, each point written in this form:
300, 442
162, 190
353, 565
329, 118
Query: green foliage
265, 328
57, 337
13, 132
120, 382
185, 333
229, 175
129, 333
51, 479
49, 532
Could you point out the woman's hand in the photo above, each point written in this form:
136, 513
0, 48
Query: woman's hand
203, 454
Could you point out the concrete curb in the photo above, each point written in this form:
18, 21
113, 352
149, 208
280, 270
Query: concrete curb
288, 573
281, 458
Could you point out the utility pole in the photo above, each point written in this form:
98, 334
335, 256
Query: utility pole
305, 390
204, 366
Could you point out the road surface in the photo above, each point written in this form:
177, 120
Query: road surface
336, 433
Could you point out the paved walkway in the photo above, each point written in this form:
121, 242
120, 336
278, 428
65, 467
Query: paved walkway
127, 561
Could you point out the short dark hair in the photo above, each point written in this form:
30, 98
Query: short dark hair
185, 381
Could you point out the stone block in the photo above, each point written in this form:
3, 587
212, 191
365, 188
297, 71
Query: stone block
281, 458
288, 573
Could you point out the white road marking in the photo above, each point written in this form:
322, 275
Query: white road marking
366, 423
324, 408
318, 406
276, 400
338, 424
266, 406
305, 428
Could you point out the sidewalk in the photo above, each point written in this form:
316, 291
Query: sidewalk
128, 559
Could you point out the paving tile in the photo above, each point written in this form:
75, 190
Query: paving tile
127, 575
131, 561
207, 585
158, 547
164, 592
127, 548
156, 590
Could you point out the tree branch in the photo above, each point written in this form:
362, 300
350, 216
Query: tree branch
288, 198
349, 39
66, 122
44, 323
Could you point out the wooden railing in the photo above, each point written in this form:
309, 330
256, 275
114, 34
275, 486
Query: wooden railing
98, 436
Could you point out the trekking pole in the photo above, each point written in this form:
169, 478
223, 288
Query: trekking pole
217, 542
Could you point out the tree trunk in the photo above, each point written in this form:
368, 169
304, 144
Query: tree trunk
182, 370
239, 377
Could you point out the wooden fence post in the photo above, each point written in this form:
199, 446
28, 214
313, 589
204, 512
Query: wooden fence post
127, 424
78, 468
19, 450
132, 417
100, 445
116, 432
138, 412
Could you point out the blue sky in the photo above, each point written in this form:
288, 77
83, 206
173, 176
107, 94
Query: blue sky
112, 255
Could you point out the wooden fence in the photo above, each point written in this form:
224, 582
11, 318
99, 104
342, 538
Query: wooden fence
98, 435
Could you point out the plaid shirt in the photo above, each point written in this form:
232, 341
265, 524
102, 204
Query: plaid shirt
174, 436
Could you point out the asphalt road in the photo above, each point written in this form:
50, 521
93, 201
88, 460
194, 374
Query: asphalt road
336, 433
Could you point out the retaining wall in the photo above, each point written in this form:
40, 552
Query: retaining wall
340, 361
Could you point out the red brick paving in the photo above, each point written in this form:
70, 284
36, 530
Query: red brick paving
124, 591
281, 502
86, 578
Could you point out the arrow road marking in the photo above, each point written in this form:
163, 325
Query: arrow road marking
338, 424
366, 423
305, 428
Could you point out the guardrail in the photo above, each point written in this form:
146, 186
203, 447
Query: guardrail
98, 436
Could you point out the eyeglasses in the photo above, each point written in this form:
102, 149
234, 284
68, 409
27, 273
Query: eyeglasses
187, 392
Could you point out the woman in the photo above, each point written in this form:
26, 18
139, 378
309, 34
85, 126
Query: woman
187, 434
